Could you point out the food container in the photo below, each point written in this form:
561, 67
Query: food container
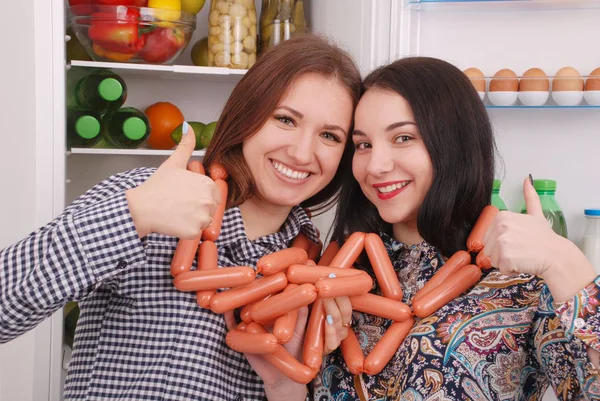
232, 34
280, 20
128, 34
503, 98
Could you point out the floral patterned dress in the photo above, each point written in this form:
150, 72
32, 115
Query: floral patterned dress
504, 340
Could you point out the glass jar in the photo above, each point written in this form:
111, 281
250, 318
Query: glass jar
232, 34
591, 237
280, 20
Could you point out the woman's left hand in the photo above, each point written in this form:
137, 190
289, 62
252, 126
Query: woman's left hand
338, 318
522, 243
525, 243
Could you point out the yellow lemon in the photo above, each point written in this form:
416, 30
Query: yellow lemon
166, 10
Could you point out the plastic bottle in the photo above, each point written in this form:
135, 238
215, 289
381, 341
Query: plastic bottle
127, 128
591, 237
101, 91
83, 128
496, 198
546, 190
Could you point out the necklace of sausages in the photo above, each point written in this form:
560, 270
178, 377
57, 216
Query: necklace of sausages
290, 279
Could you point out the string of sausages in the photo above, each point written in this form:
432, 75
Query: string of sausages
291, 279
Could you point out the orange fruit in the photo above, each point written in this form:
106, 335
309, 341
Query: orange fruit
164, 117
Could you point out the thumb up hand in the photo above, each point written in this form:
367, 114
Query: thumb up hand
521, 243
174, 201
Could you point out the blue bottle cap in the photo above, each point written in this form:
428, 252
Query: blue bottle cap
592, 212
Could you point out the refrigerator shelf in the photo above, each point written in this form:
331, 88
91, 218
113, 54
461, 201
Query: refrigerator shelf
127, 152
188, 72
547, 106
500, 5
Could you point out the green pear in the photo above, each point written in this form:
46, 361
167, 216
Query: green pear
198, 128
199, 52
207, 134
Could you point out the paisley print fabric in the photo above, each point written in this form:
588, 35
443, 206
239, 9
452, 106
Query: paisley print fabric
505, 339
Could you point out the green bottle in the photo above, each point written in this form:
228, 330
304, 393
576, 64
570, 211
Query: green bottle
127, 128
546, 190
496, 198
83, 128
101, 91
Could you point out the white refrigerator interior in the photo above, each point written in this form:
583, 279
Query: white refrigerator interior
555, 143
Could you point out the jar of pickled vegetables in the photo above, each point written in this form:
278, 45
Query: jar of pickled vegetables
280, 20
232, 34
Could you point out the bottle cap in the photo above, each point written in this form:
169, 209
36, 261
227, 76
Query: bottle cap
544, 185
87, 127
134, 128
497, 184
110, 89
592, 212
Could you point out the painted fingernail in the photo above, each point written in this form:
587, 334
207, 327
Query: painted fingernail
530, 179
185, 127
332, 275
329, 320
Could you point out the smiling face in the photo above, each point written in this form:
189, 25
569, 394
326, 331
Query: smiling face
391, 162
297, 151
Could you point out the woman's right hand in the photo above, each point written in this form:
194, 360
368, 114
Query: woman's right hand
174, 201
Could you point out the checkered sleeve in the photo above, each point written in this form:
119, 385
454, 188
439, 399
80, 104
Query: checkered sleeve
90, 242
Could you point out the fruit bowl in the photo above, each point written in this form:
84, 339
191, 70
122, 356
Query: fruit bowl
128, 34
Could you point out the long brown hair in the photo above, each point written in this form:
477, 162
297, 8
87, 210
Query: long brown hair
256, 96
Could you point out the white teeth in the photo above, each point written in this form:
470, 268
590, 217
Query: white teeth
295, 175
393, 187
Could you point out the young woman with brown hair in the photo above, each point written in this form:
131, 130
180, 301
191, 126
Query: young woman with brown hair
281, 137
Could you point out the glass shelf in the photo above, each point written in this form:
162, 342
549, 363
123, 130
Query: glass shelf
191, 72
500, 5
128, 152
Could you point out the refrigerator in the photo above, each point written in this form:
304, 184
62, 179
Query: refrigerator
41, 176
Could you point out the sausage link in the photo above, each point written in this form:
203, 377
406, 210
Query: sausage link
387, 346
301, 241
283, 361
350, 251
314, 338
285, 325
456, 262
314, 251
251, 343
352, 353
357, 284
382, 266
280, 304
332, 249
214, 230
207, 260
218, 172
482, 261
475, 238
300, 274
280, 260
451, 288
237, 297
381, 306
215, 278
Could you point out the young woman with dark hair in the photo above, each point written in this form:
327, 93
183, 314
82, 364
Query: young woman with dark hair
423, 166
281, 137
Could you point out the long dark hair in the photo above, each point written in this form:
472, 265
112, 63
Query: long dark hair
458, 136
256, 96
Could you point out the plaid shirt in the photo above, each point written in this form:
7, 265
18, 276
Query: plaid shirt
137, 336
